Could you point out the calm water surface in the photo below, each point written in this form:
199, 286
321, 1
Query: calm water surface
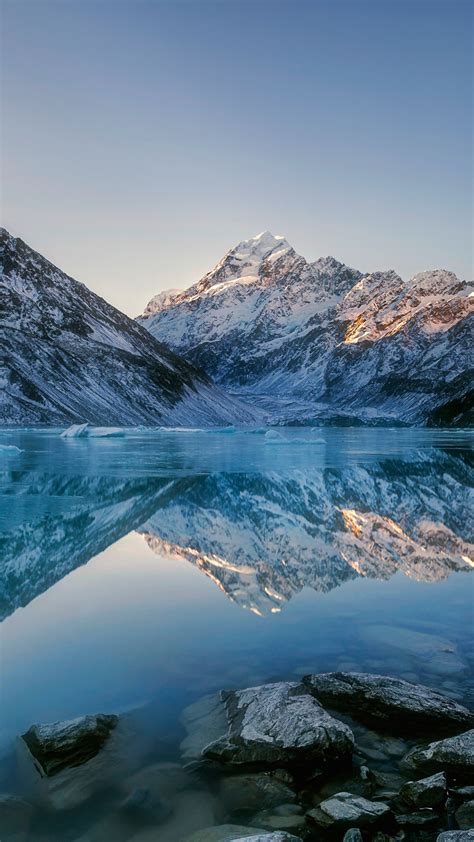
140, 573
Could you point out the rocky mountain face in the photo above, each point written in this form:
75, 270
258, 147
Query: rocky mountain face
67, 355
260, 537
320, 340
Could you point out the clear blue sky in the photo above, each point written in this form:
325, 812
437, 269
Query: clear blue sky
142, 139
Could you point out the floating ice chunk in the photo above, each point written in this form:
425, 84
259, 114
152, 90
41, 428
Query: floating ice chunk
274, 437
105, 432
10, 449
181, 430
75, 431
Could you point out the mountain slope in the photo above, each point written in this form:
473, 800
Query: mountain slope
68, 355
323, 337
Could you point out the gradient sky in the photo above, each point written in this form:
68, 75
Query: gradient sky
141, 139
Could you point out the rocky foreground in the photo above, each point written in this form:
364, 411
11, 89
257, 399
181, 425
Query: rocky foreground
287, 761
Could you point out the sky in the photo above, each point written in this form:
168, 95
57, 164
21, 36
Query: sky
141, 139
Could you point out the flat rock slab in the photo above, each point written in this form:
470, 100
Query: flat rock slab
393, 703
427, 792
345, 810
62, 745
456, 836
454, 755
277, 725
233, 832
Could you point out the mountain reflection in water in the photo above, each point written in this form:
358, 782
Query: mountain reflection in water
260, 536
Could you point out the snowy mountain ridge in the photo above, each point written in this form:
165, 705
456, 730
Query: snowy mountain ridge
264, 321
68, 356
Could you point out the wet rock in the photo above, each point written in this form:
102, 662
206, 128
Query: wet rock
464, 793
254, 792
391, 702
465, 815
427, 792
276, 724
456, 836
16, 816
421, 818
288, 810
61, 745
353, 835
345, 810
232, 832
454, 755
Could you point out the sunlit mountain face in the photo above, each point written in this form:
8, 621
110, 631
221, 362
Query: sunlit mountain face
259, 536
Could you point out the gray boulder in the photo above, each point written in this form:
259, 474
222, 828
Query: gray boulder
391, 702
465, 815
345, 810
254, 792
60, 745
427, 792
276, 725
454, 755
456, 836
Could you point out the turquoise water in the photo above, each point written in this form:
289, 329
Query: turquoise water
142, 572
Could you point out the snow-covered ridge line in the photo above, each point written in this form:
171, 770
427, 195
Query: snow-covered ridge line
264, 320
70, 357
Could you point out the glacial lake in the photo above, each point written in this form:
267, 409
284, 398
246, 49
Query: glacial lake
142, 572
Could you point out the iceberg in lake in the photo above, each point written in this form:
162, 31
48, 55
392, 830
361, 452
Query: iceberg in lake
10, 449
75, 431
85, 431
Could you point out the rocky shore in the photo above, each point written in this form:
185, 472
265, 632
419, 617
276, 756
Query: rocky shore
348, 756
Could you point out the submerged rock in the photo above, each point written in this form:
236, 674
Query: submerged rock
345, 810
61, 745
427, 792
142, 805
274, 820
454, 755
254, 792
274, 725
234, 832
434, 653
353, 835
392, 702
465, 815
16, 817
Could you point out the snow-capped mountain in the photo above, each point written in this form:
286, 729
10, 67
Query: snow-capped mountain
260, 537
68, 355
314, 340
